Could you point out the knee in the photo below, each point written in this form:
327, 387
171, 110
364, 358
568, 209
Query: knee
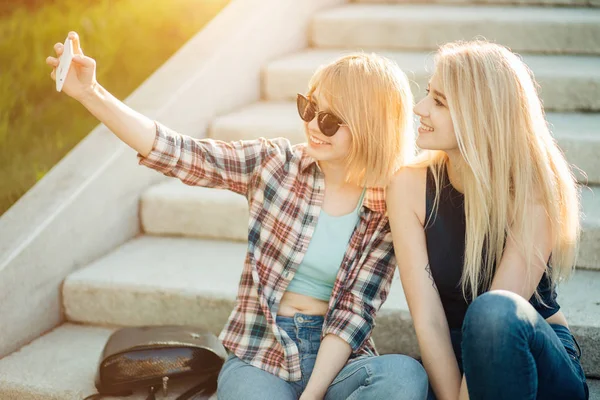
405, 375
496, 313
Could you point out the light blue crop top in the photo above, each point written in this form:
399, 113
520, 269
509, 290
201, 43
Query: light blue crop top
316, 273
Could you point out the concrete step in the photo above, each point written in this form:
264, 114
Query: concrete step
424, 27
589, 252
154, 280
569, 83
175, 209
549, 3
60, 365
47, 370
577, 134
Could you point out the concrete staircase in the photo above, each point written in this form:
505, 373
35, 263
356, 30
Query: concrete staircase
185, 268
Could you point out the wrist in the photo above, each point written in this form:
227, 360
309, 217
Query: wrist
312, 394
89, 95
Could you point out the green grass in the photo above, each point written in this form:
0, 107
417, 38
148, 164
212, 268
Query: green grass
129, 40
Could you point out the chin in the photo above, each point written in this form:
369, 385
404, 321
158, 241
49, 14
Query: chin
317, 155
425, 144
429, 144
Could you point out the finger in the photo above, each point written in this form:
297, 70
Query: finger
52, 61
53, 74
76, 43
58, 48
83, 60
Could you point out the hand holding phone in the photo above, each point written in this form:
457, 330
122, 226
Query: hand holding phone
64, 64
74, 73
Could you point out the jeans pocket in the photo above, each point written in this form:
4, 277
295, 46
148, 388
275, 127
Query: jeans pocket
568, 341
578, 347
352, 368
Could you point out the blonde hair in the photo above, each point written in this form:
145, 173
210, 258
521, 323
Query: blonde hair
372, 96
511, 161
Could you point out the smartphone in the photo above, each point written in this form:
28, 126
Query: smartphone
64, 62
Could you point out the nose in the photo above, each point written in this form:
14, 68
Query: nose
313, 125
421, 108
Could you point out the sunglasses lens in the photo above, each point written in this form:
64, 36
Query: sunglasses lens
328, 124
305, 108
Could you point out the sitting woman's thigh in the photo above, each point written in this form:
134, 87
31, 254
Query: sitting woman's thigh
240, 380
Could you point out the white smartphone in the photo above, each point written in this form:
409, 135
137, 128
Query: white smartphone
64, 62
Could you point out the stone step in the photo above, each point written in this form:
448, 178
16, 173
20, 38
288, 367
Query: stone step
568, 83
424, 27
61, 365
577, 134
589, 252
159, 280
175, 209
550, 3
46, 369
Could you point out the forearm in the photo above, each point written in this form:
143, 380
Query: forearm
333, 355
440, 363
133, 128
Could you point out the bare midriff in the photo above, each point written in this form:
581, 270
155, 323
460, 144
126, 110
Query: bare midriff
292, 303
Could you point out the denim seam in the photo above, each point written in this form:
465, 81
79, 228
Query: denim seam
369, 370
361, 388
338, 380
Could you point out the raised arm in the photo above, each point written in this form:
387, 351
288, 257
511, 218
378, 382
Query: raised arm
406, 208
131, 127
202, 162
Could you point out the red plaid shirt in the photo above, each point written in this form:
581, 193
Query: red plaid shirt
285, 190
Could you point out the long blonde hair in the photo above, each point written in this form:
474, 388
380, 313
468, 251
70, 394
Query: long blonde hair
511, 161
372, 96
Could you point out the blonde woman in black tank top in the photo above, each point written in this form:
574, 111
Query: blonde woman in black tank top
484, 225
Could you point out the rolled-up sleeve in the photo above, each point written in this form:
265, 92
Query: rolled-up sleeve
353, 318
209, 162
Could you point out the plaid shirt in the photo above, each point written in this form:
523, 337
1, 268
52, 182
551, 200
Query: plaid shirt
285, 190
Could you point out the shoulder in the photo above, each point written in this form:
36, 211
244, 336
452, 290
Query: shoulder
409, 177
406, 191
408, 183
270, 151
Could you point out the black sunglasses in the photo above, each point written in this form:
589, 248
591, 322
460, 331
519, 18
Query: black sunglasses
328, 123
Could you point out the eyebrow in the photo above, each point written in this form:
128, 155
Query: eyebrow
439, 94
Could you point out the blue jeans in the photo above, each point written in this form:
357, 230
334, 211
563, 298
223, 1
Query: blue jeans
509, 351
378, 377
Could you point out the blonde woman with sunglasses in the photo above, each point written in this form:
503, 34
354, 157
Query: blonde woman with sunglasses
320, 258
485, 224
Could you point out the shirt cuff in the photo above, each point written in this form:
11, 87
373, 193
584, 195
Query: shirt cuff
165, 151
350, 327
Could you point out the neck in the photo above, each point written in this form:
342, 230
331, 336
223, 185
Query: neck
335, 174
456, 163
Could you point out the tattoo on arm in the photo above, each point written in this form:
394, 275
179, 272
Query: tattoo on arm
428, 269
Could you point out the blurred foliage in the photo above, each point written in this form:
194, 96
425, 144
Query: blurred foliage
129, 40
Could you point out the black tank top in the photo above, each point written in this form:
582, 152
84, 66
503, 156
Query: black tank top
445, 235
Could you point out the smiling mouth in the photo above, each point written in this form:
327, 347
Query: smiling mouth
315, 140
426, 127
